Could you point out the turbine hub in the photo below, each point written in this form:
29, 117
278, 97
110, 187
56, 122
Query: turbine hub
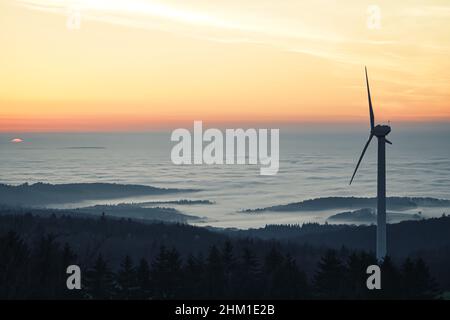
381, 130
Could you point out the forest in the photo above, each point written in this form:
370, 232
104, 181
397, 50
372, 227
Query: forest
40, 273
125, 259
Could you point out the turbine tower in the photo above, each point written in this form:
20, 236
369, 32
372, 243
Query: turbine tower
379, 131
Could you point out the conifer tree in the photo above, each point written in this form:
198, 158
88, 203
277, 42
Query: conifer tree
391, 281
330, 277
194, 282
273, 271
14, 263
143, 279
165, 274
126, 280
249, 277
273, 260
426, 287
229, 265
46, 269
214, 274
356, 275
99, 281
296, 284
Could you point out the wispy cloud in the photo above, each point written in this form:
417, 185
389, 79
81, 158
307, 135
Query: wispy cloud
316, 37
427, 11
238, 28
137, 12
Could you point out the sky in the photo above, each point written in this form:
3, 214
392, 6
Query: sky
126, 65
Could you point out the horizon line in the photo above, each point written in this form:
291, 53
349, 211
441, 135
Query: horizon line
287, 126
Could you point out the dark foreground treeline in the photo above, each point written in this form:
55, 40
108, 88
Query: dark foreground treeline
39, 272
36, 247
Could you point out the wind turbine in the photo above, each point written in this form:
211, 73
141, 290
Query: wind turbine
379, 131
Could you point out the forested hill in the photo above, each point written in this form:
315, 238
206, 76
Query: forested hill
327, 203
41, 194
403, 237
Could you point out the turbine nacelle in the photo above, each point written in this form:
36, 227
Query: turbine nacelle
381, 130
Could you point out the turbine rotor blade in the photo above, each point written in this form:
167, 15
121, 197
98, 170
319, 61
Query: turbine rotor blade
372, 116
387, 141
360, 158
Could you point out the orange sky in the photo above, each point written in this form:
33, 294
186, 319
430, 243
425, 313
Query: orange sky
146, 65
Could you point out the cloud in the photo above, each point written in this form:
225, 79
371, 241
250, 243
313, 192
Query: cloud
427, 11
280, 26
238, 28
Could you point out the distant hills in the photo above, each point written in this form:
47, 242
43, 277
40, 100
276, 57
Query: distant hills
138, 212
326, 203
403, 238
42, 194
369, 216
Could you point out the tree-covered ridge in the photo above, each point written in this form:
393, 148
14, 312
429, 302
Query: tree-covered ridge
39, 194
369, 216
137, 212
404, 237
326, 203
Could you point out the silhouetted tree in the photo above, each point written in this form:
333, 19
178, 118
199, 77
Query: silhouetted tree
14, 260
214, 272
166, 274
229, 265
248, 276
194, 282
417, 282
143, 279
356, 275
273, 271
391, 282
273, 260
126, 280
99, 282
47, 268
408, 278
425, 282
296, 284
330, 277
69, 257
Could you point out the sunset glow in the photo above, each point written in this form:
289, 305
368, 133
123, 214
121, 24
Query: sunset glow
151, 65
